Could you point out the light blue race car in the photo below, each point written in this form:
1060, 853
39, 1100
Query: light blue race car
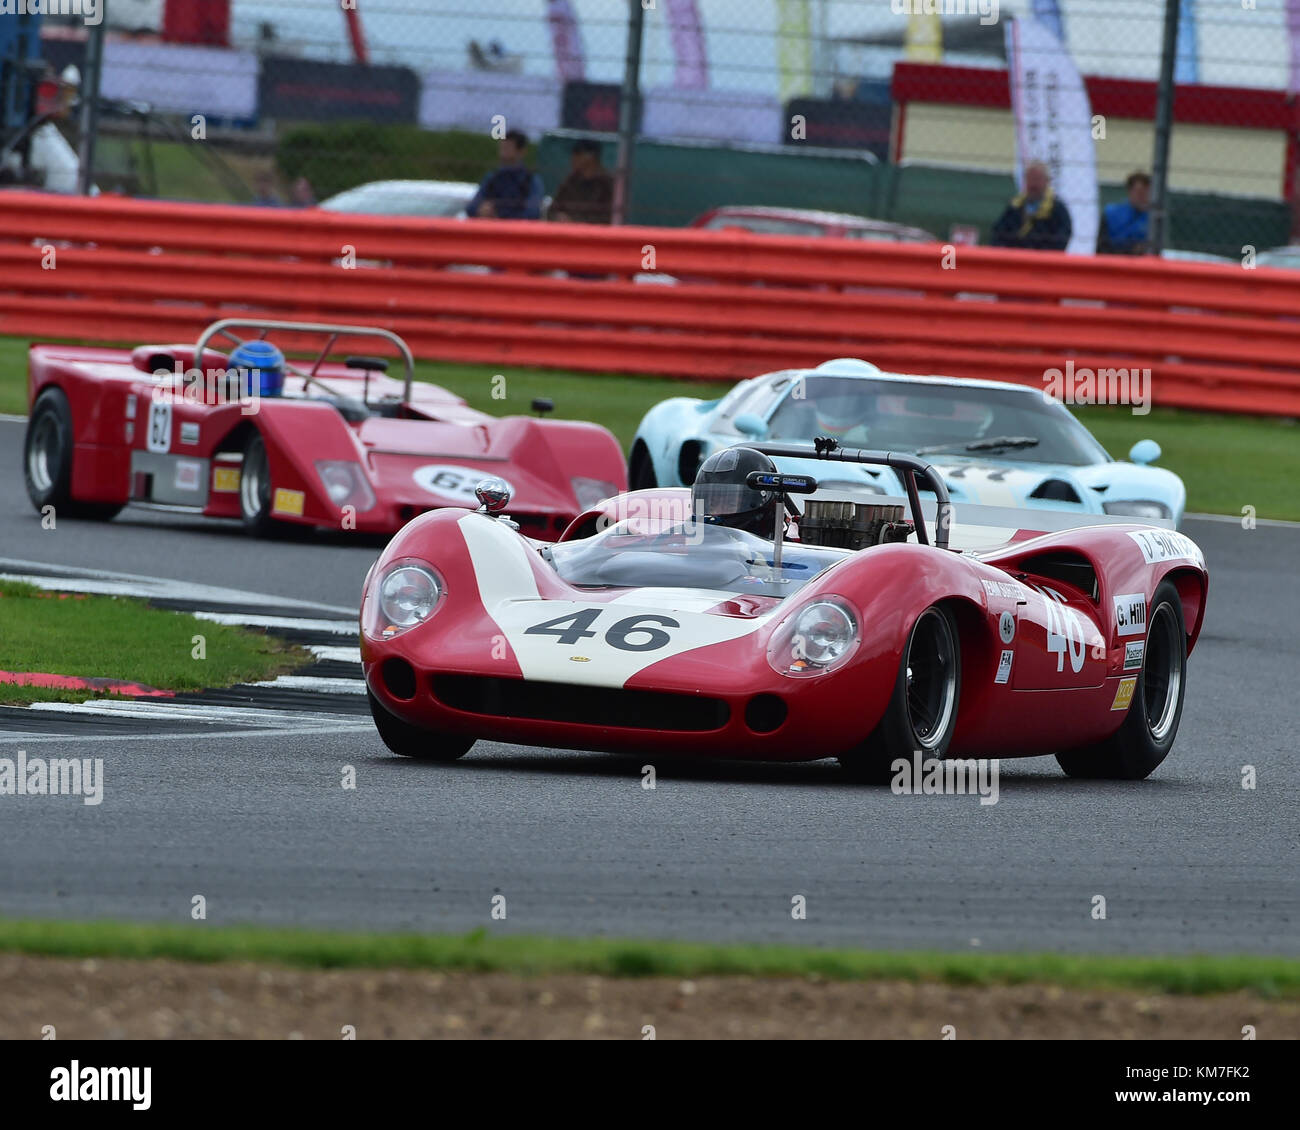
995, 444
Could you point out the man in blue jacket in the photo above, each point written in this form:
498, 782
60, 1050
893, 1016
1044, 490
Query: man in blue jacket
1124, 226
512, 191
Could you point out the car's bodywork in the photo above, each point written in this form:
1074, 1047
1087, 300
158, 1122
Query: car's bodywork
346, 447
1069, 470
608, 642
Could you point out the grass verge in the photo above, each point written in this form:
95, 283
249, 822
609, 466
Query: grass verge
1271, 977
1227, 462
119, 638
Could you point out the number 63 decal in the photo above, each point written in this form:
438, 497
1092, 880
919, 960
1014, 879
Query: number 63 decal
575, 627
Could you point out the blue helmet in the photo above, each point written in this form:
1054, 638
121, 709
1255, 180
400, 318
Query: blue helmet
264, 359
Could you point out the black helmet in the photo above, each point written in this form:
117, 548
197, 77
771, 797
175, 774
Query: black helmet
721, 496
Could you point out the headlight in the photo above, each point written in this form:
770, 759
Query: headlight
402, 597
1137, 509
588, 492
814, 640
345, 483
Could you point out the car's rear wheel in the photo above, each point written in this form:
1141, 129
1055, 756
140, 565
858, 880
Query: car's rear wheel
406, 740
255, 489
47, 460
641, 469
1147, 734
922, 711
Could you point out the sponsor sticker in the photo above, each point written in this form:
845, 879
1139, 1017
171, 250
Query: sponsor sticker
288, 502
1166, 545
1124, 693
1004, 667
1131, 614
225, 480
1008, 589
1007, 627
189, 433
187, 474
450, 481
1133, 651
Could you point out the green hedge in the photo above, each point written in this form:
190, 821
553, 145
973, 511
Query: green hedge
336, 156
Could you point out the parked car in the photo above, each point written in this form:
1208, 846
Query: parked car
433, 198
808, 222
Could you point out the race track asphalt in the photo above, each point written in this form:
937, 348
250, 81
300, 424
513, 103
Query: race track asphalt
1188, 861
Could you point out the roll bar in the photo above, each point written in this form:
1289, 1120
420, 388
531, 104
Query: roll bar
911, 466
333, 332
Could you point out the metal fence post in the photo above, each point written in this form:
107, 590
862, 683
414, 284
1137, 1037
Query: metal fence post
628, 111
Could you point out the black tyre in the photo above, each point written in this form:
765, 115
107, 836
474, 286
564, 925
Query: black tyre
47, 460
1147, 734
922, 711
640, 469
406, 740
255, 489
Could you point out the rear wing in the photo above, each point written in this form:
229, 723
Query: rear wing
331, 333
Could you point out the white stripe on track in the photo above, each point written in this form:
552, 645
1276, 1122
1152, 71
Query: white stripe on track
186, 712
355, 727
336, 627
76, 579
321, 684
337, 654
1280, 523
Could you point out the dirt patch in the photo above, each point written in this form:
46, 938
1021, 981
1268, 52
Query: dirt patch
116, 999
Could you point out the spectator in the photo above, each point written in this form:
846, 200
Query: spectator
1035, 219
264, 191
512, 192
304, 196
587, 194
1124, 226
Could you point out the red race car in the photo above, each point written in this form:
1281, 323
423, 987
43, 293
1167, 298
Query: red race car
251, 435
692, 622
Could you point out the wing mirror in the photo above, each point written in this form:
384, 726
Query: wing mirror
1144, 451
493, 495
750, 425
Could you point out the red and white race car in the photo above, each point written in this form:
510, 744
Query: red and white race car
671, 622
340, 445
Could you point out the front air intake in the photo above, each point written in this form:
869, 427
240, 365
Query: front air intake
591, 706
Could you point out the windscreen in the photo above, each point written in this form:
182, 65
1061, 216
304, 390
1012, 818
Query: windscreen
694, 555
892, 416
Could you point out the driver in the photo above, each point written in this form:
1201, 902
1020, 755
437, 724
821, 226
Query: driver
262, 360
720, 495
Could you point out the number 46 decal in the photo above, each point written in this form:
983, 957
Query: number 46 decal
571, 629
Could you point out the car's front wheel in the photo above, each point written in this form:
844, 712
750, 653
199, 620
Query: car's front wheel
255, 489
406, 740
922, 711
47, 460
1147, 734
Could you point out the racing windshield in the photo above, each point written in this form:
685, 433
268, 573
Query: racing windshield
894, 416
693, 555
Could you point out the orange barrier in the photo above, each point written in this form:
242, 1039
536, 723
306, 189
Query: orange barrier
1215, 337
